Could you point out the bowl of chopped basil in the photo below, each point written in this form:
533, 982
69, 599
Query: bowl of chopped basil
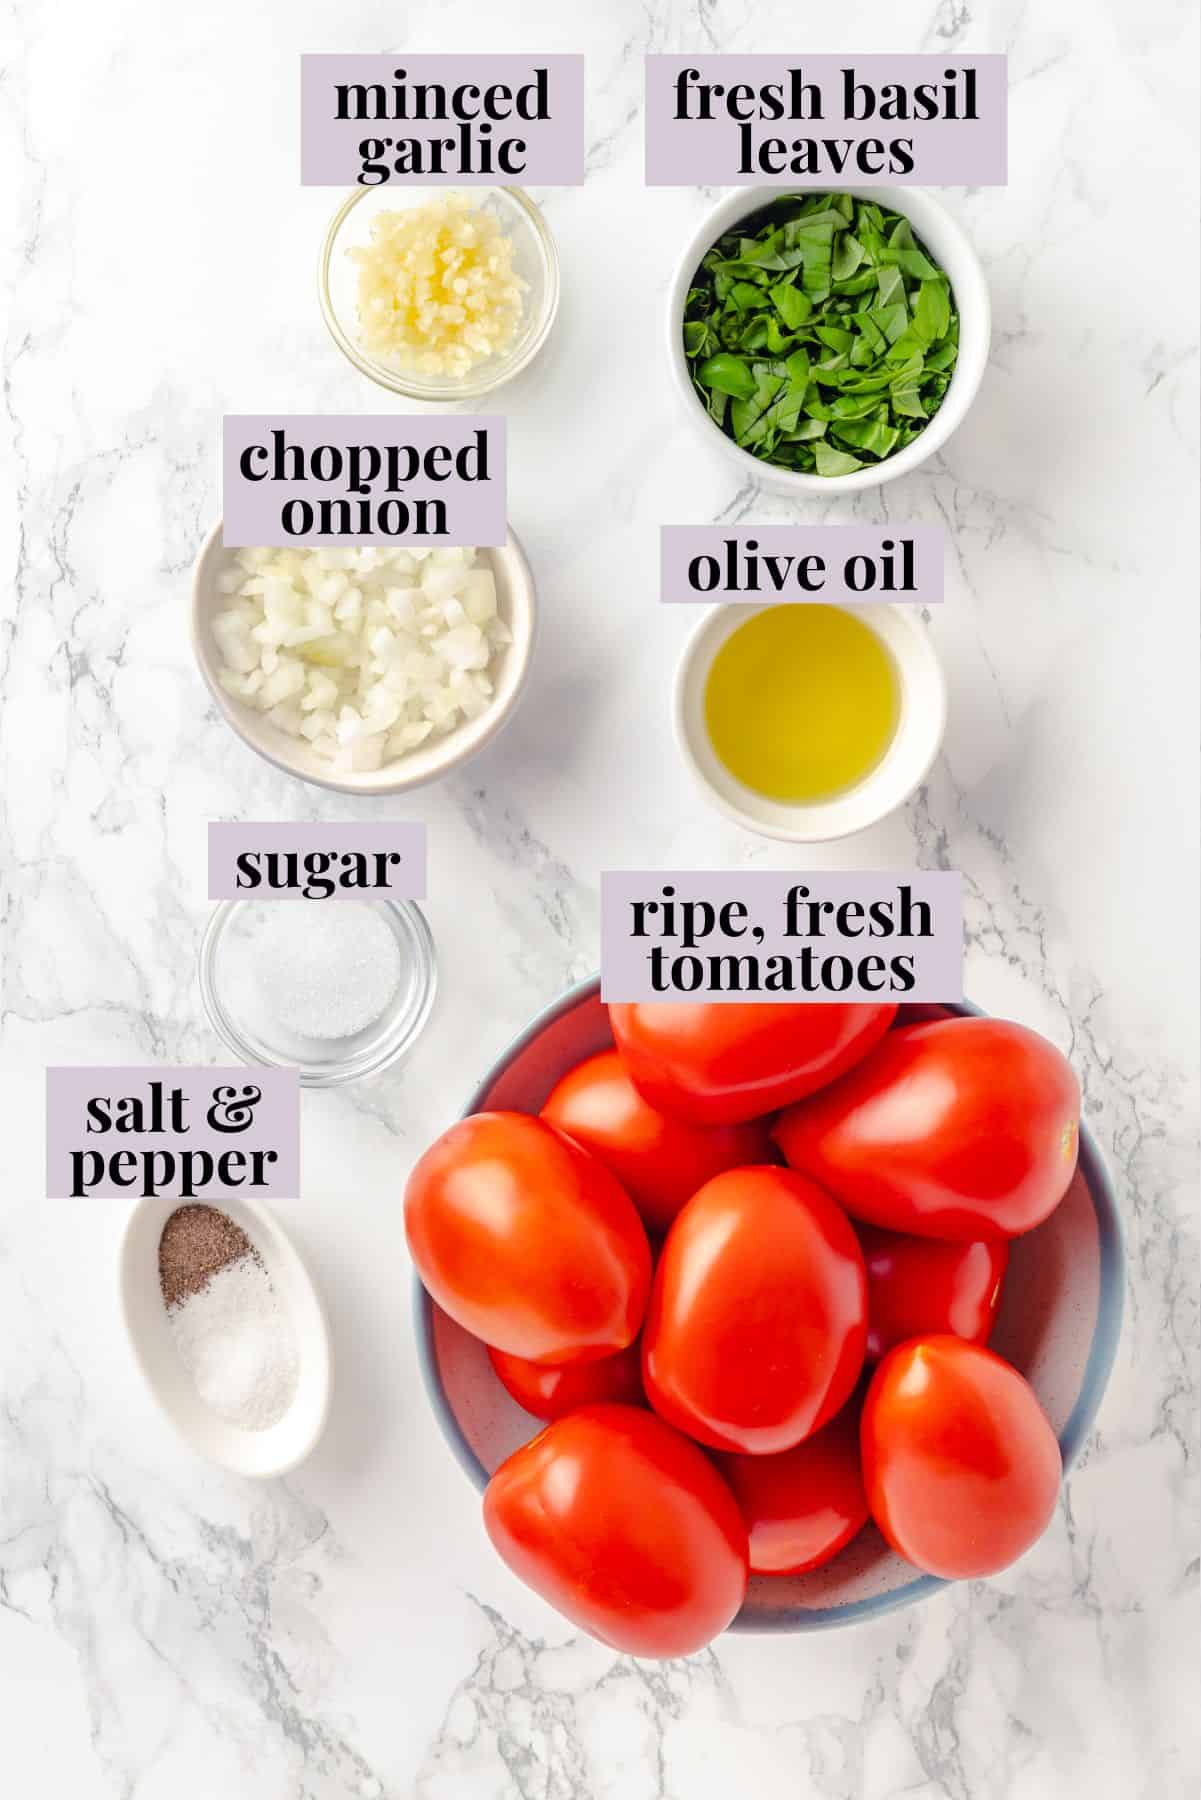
828, 340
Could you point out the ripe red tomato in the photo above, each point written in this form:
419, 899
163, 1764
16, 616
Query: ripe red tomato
918, 1287
961, 1466
527, 1241
758, 1315
965, 1128
659, 1161
625, 1527
715, 1064
803, 1505
550, 1390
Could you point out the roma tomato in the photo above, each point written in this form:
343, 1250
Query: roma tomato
961, 1466
803, 1505
715, 1064
919, 1287
659, 1161
549, 1390
625, 1527
527, 1241
758, 1315
966, 1128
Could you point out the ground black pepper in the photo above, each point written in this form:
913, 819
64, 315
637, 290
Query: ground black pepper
196, 1242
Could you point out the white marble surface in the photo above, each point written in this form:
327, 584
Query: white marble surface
168, 1633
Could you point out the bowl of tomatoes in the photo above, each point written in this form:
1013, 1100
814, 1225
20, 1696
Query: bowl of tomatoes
703, 1292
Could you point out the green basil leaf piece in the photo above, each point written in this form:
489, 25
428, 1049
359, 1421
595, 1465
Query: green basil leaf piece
728, 374
835, 462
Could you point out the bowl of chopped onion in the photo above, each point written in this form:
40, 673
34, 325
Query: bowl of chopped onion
369, 669
440, 294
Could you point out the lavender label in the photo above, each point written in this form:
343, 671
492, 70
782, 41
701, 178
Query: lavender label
315, 862
431, 119
826, 121
769, 934
355, 478
184, 1133
801, 562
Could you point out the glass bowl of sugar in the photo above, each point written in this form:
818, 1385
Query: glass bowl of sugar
336, 989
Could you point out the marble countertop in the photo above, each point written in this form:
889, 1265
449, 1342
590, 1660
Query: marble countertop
170, 1633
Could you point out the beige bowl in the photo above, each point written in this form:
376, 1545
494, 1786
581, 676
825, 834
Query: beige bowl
516, 604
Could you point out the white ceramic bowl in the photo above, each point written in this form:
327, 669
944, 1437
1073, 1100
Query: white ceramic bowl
279, 1447
903, 767
517, 605
949, 246
535, 259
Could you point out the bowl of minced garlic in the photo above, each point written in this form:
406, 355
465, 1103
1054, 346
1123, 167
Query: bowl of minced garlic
439, 293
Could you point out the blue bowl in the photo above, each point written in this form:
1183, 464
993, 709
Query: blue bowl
1059, 1323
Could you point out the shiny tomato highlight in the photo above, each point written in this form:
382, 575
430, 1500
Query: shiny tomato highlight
549, 1390
919, 1287
717, 1063
625, 1527
757, 1321
804, 1505
960, 1463
527, 1241
660, 1161
964, 1128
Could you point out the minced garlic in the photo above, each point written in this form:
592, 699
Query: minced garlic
437, 289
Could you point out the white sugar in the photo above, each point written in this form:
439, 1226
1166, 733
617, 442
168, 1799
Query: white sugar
321, 969
236, 1342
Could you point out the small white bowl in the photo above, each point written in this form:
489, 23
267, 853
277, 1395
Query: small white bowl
535, 259
903, 767
279, 1447
517, 605
950, 247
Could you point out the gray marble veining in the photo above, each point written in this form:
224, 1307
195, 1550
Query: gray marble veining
168, 1632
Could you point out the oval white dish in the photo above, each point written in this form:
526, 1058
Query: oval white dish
279, 1447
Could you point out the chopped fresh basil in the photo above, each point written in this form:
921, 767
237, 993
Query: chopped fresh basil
820, 334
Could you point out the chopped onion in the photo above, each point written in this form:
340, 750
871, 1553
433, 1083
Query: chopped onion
365, 653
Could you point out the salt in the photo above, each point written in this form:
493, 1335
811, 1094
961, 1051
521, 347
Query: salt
321, 969
236, 1342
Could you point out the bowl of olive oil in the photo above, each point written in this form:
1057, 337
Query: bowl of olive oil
808, 722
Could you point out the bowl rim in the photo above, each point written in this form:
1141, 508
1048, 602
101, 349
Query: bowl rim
724, 618
960, 395
411, 388
492, 721
1097, 1370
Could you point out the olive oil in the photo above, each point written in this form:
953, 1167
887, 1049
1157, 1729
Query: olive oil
802, 702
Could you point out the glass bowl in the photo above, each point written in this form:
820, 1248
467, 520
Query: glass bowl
535, 259
243, 1023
